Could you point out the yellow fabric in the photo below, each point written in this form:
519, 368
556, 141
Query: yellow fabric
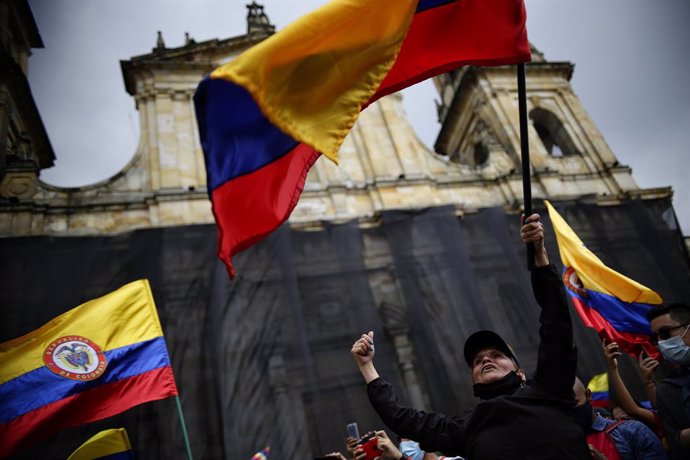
123, 317
312, 78
599, 383
592, 272
106, 442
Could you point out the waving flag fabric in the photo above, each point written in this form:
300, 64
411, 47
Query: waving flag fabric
262, 454
611, 303
94, 361
107, 445
265, 117
599, 386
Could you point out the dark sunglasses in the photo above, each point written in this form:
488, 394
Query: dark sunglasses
664, 333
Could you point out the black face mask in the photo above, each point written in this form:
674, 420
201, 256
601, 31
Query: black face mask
507, 385
584, 414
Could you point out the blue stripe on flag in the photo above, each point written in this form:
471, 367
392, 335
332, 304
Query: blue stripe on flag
41, 386
237, 138
429, 4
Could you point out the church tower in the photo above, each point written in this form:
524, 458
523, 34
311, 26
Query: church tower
568, 154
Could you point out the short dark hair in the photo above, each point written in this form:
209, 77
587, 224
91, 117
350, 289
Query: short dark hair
677, 310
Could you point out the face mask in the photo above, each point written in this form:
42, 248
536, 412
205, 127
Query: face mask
584, 413
506, 385
412, 450
675, 350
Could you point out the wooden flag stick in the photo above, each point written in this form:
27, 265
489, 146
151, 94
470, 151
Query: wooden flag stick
524, 154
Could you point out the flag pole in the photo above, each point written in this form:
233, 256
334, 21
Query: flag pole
184, 427
524, 154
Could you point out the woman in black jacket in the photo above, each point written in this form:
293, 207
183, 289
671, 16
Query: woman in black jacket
516, 418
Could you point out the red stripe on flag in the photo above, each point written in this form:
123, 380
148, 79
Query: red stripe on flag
460, 33
88, 406
251, 206
630, 343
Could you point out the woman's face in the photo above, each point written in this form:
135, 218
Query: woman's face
490, 365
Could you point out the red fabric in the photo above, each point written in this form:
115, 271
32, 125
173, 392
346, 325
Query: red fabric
88, 406
602, 441
476, 32
250, 207
631, 344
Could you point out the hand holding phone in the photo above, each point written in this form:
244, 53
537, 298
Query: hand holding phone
369, 444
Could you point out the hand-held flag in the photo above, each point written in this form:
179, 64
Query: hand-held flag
265, 116
92, 362
599, 386
613, 304
262, 454
108, 444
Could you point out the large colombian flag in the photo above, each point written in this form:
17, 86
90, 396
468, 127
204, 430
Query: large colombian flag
611, 303
265, 117
94, 361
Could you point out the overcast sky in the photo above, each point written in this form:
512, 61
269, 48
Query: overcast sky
632, 62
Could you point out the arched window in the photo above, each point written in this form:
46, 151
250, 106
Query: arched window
481, 154
552, 133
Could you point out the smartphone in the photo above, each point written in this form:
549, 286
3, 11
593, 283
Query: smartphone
371, 448
353, 430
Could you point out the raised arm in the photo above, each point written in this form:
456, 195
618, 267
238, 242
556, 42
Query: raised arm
435, 432
557, 359
363, 352
625, 400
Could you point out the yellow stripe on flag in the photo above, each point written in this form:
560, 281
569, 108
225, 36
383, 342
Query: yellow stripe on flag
313, 77
106, 442
599, 383
591, 270
121, 318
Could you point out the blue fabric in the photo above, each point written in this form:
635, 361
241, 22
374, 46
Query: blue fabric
412, 450
633, 439
623, 316
429, 4
237, 138
41, 386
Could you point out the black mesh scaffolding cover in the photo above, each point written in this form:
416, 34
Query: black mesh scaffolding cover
265, 360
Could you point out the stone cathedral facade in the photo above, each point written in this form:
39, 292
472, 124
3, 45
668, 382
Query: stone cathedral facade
417, 244
383, 166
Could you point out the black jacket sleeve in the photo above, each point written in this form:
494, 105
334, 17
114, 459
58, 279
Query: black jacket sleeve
557, 358
673, 418
433, 431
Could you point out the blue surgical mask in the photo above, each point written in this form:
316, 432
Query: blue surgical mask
412, 450
675, 350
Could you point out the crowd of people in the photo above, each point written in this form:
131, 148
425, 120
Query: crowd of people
547, 416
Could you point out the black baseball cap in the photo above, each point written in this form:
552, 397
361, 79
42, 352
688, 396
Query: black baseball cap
484, 339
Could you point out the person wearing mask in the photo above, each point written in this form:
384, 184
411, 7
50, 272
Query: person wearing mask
613, 439
670, 325
516, 418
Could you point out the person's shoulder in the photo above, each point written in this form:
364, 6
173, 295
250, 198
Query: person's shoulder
634, 427
677, 378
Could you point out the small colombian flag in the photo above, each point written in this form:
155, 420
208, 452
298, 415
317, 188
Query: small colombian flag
262, 455
111, 444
